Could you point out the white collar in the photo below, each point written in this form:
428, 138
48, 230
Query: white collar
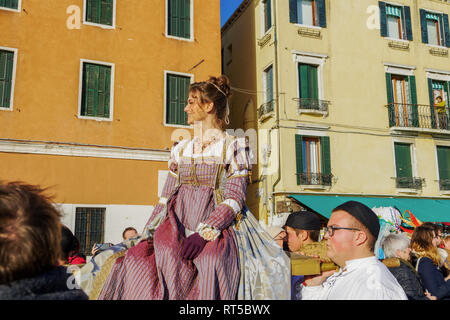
355, 263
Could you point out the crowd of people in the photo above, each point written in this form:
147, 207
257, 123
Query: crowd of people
202, 242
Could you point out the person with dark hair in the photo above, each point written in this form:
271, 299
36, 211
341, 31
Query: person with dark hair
302, 227
195, 244
351, 233
70, 247
424, 242
129, 232
30, 246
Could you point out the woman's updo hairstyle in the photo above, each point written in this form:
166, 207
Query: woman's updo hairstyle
216, 90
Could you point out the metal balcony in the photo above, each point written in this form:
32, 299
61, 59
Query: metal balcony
444, 184
307, 104
265, 109
409, 183
418, 116
317, 179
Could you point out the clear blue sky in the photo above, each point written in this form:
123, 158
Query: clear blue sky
227, 8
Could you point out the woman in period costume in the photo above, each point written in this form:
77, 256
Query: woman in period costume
201, 242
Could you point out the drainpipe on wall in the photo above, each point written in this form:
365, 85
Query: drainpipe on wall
277, 116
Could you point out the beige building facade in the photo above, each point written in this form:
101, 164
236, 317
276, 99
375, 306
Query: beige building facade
344, 95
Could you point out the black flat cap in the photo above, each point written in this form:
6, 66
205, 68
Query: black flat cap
363, 214
303, 220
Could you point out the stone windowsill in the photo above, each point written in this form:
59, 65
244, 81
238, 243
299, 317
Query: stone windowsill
398, 44
438, 51
404, 190
264, 40
266, 116
309, 32
309, 111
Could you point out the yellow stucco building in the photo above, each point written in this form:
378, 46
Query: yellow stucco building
344, 96
91, 93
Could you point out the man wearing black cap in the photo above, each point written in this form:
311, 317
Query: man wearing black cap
302, 227
351, 234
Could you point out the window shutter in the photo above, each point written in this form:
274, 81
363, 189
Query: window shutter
313, 83
322, 13
106, 12
293, 11
325, 155
298, 157
89, 5
303, 79
446, 30
185, 23
443, 155
184, 92
403, 160
269, 80
408, 27
415, 113
423, 25
432, 109
390, 96
6, 73
173, 20
177, 92
107, 91
171, 92
383, 19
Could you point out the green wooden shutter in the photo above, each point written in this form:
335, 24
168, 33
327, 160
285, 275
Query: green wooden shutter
403, 160
303, 79
321, 6
106, 12
408, 26
103, 91
443, 155
432, 108
299, 157
6, 73
177, 93
414, 107
93, 11
423, 26
390, 100
383, 19
313, 83
293, 11
96, 90
11, 4
446, 30
269, 88
326, 160
185, 14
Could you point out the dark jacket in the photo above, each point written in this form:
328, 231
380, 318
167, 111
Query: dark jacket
433, 279
53, 285
407, 277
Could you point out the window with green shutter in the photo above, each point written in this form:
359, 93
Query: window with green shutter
313, 160
403, 167
179, 18
435, 28
89, 227
177, 92
395, 21
96, 89
6, 74
10, 4
443, 156
100, 11
308, 12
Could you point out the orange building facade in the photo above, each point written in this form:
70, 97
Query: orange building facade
91, 94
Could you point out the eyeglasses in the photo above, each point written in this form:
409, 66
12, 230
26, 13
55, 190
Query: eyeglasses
331, 229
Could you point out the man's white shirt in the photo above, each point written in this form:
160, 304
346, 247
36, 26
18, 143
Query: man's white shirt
361, 279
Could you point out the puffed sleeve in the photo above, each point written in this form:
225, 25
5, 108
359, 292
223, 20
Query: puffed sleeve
172, 179
238, 166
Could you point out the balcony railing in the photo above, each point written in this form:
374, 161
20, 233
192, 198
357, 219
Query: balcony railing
317, 179
409, 183
266, 108
418, 116
444, 184
312, 104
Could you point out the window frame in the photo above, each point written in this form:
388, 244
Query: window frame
74, 214
316, 18
166, 33
19, 7
441, 35
265, 82
318, 60
111, 92
263, 19
436, 145
166, 72
13, 78
103, 26
414, 165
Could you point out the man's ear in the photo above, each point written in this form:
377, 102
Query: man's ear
360, 237
303, 235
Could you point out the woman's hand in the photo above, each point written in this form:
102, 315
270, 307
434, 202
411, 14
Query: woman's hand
192, 246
